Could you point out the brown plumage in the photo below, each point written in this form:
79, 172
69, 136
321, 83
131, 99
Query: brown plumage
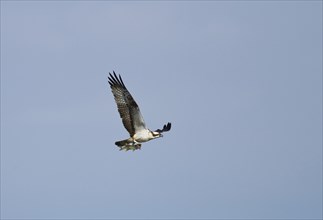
131, 116
127, 106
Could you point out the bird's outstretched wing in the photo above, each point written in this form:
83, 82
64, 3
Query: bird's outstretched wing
127, 106
165, 128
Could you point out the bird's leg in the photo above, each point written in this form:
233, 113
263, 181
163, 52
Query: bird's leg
137, 145
131, 146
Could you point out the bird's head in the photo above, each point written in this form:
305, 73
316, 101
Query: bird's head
156, 134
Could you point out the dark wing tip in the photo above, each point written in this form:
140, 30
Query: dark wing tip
114, 80
165, 128
169, 126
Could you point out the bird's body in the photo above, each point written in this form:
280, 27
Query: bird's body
143, 136
131, 117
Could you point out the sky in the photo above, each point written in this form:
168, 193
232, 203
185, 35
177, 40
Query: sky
240, 81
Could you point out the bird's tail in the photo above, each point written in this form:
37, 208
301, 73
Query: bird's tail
121, 143
128, 144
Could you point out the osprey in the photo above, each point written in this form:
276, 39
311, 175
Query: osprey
131, 117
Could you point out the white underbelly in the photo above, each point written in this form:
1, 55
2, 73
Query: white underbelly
142, 136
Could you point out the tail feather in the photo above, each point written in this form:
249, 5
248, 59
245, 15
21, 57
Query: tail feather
121, 143
128, 144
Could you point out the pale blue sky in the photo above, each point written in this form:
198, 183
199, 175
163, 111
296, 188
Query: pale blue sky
241, 81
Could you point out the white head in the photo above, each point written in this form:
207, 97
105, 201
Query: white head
155, 134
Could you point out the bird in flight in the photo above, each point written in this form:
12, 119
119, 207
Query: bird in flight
131, 117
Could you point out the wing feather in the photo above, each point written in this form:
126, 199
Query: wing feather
128, 109
165, 128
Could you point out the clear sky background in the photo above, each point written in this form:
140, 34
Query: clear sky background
241, 82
